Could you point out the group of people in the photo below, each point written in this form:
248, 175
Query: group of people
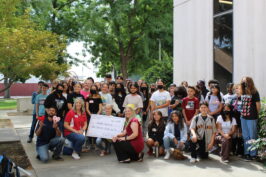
182, 117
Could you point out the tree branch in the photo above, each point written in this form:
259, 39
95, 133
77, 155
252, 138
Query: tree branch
8, 86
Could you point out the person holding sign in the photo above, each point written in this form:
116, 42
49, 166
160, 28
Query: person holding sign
103, 144
75, 125
129, 144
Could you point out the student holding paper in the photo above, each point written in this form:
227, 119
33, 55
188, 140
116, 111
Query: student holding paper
129, 144
104, 144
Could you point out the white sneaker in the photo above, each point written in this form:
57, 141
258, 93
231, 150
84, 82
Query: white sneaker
167, 155
225, 161
192, 160
75, 156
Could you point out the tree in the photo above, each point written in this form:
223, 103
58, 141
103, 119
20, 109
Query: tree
160, 70
26, 50
122, 34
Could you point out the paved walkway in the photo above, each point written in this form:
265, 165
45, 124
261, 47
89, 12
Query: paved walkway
93, 165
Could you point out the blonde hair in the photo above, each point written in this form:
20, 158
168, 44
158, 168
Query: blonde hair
132, 110
82, 105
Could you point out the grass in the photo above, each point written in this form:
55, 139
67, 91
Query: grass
8, 104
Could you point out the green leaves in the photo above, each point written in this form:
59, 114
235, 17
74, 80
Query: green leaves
26, 50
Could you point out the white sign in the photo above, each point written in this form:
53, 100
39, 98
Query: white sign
102, 126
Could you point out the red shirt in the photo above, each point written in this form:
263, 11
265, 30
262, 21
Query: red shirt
138, 142
190, 105
77, 121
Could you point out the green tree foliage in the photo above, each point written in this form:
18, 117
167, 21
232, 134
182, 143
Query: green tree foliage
26, 50
57, 16
160, 70
123, 34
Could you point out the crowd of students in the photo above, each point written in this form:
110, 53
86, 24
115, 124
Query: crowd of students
188, 118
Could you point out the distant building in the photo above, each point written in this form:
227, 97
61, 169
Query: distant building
221, 39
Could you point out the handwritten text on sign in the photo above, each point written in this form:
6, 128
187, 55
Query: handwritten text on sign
102, 126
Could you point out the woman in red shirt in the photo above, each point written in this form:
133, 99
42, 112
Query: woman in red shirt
129, 144
75, 125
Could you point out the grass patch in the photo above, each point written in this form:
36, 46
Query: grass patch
8, 104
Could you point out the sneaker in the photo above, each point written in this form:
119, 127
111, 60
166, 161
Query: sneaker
247, 158
58, 158
75, 156
225, 161
192, 160
102, 153
29, 140
167, 155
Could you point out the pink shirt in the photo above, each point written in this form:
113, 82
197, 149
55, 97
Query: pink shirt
85, 94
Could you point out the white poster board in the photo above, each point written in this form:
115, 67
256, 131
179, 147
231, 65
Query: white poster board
102, 126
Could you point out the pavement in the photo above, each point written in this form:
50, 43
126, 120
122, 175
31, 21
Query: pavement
91, 164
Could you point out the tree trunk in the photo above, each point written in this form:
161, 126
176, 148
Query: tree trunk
7, 91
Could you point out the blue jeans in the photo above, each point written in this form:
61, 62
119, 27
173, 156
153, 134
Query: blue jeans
249, 131
33, 125
168, 142
55, 144
106, 147
77, 140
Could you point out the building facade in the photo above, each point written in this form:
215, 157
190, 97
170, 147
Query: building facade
220, 39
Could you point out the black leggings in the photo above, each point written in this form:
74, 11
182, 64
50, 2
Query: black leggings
124, 151
200, 150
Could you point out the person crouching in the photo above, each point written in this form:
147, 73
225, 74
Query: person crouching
49, 136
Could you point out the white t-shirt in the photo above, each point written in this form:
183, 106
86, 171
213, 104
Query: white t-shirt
136, 100
213, 102
226, 126
160, 98
228, 98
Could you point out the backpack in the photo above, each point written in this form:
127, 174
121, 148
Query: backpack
8, 168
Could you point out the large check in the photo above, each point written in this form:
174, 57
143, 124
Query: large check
102, 126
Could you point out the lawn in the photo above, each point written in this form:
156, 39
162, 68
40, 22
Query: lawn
8, 104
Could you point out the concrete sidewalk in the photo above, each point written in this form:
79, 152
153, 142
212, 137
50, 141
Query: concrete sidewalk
91, 164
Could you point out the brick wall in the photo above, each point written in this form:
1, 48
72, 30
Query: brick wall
19, 89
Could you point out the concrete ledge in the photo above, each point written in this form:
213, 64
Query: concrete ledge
24, 105
8, 135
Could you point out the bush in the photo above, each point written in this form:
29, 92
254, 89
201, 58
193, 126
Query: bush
260, 143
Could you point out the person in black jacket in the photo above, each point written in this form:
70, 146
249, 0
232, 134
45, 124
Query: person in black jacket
58, 101
119, 97
156, 132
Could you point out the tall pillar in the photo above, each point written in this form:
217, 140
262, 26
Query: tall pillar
250, 42
193, 40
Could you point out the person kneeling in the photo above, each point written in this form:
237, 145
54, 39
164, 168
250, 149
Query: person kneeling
49, 136
175, 134
75, 125
129, 144
203, 132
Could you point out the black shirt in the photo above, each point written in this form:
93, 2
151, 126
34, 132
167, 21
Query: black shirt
71, 97
249, 108
94, 104
53, 100
119, 99
156, 132
177, 132
179, 106
47, 132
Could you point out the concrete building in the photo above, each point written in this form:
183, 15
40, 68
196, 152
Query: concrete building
221, 39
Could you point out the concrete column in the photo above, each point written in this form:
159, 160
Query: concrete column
250, 42
193, 40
